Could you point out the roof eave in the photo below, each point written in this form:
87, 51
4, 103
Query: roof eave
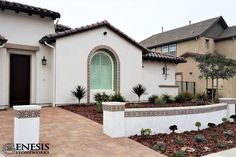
226, 38
172, 42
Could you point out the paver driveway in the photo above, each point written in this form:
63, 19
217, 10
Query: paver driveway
72, 135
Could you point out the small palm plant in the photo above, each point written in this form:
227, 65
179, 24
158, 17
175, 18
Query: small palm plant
79, 92
139, 90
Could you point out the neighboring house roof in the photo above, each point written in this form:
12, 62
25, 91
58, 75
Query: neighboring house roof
61, 28
189, 54
18, 7
155, 56
52, 37
228, 33
2, 39
181, 34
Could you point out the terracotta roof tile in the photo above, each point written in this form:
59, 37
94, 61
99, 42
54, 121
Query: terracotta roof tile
155, 56
147, 55
18, 7
2, 39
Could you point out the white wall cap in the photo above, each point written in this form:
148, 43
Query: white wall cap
27, 107
114, 103
227, 99
175, 108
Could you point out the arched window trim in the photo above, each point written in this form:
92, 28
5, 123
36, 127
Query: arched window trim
112, 71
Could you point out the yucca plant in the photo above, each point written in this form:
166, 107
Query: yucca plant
139, 90
79, 92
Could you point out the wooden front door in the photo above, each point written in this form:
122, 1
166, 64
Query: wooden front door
19, 79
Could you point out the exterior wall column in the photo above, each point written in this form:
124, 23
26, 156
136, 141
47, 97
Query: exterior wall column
114, 119
230, 106
26, 124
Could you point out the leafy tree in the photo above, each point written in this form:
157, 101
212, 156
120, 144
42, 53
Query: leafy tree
216, 66
79, 92
139, 90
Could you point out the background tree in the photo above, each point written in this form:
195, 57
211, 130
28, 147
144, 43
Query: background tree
216, 66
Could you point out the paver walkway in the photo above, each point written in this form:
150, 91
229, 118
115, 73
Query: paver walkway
225, 153
72, 135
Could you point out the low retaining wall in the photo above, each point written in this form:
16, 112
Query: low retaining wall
120, 122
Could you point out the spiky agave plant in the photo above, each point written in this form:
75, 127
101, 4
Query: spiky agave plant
79, 92
139, 90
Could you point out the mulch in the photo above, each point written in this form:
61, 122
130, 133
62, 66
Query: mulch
213, 136
88, 111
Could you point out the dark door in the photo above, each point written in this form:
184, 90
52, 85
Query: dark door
19, 79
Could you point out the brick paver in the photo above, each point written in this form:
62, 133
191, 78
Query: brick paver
72, 135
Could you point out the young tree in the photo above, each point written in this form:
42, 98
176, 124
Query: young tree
216, 66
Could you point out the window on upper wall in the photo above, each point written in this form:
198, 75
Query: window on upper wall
207, 43
101, 71
165, 49
169, 49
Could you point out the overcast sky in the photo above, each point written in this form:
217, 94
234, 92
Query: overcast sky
138, 18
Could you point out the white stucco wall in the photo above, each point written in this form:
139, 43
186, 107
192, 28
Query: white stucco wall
161, 124
153, 77
72, 54
22, 29
160, 119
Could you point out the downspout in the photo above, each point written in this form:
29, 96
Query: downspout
54, 74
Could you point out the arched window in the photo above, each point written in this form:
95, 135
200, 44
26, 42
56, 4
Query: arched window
101, 71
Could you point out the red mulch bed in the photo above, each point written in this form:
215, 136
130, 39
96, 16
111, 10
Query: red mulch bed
88, 111
212, 135
144, 105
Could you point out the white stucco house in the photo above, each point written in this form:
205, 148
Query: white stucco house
42, 61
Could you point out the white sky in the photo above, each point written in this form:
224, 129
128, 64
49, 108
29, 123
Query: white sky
138, 18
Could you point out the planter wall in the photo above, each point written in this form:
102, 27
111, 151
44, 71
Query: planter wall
131, 121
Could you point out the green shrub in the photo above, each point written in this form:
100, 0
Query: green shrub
160, 101
198, 125
101, 97
179, 141
201, 96
160, 147
224, 119
199, 138
179, 153
167, 98
99, 106
220, 145
146, 132
117, 97
152, 98
229, 134
184, 97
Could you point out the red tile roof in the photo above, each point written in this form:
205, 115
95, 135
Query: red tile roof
147, 55
18, 7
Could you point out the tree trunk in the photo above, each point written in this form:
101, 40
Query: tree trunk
212, 88
217, 87
206, 85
